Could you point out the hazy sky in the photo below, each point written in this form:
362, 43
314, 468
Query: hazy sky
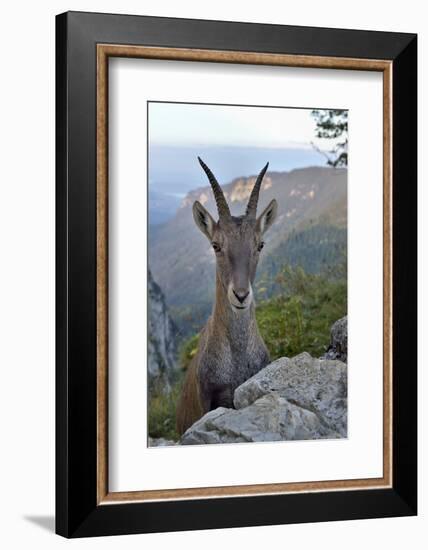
206, 125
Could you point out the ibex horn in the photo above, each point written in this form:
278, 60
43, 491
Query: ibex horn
222, 206
254, 197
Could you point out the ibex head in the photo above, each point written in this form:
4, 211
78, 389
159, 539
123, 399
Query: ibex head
236, 240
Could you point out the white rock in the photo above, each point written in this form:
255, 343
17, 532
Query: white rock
270, 418
317, 385
290, 399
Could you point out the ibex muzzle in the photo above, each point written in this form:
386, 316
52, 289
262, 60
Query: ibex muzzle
230, 348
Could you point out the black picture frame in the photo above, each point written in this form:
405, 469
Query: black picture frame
77, 511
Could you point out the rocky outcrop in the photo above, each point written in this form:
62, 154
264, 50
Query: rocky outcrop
160, 442
161, 340
290, 399
338, 348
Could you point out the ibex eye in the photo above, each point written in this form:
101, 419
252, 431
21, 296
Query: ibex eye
216, 247
261, 245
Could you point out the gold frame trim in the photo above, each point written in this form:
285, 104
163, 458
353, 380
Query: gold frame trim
104, 51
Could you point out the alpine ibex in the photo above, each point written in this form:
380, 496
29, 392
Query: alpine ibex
230, 348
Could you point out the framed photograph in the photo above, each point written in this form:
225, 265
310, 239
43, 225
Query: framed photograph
236, 274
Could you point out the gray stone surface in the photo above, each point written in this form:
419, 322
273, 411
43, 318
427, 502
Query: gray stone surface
161, 341
338, 348
290, 399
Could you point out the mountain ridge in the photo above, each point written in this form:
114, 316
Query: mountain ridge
181, 258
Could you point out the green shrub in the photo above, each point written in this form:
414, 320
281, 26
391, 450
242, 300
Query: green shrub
188, 351
300, 318
162, 406
161, 411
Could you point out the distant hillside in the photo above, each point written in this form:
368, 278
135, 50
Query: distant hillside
310, 231
162, 207
316, 249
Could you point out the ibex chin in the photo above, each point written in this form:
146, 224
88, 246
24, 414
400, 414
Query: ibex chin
230, 348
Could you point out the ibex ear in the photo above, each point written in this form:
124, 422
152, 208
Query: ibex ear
203, 220
267, 217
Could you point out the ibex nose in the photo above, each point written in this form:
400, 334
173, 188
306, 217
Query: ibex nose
241, 294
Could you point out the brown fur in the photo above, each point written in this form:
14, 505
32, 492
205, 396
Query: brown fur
189, 408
